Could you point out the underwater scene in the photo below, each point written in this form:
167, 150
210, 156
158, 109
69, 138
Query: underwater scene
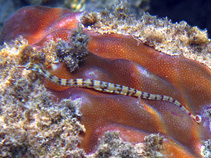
105, 79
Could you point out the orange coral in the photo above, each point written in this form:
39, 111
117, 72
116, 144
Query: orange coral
118, 59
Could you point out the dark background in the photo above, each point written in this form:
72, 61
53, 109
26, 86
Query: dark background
194, 12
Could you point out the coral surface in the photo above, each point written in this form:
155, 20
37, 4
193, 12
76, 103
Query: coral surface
31, 123
119, 52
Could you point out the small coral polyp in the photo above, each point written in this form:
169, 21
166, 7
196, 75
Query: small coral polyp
117, 57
